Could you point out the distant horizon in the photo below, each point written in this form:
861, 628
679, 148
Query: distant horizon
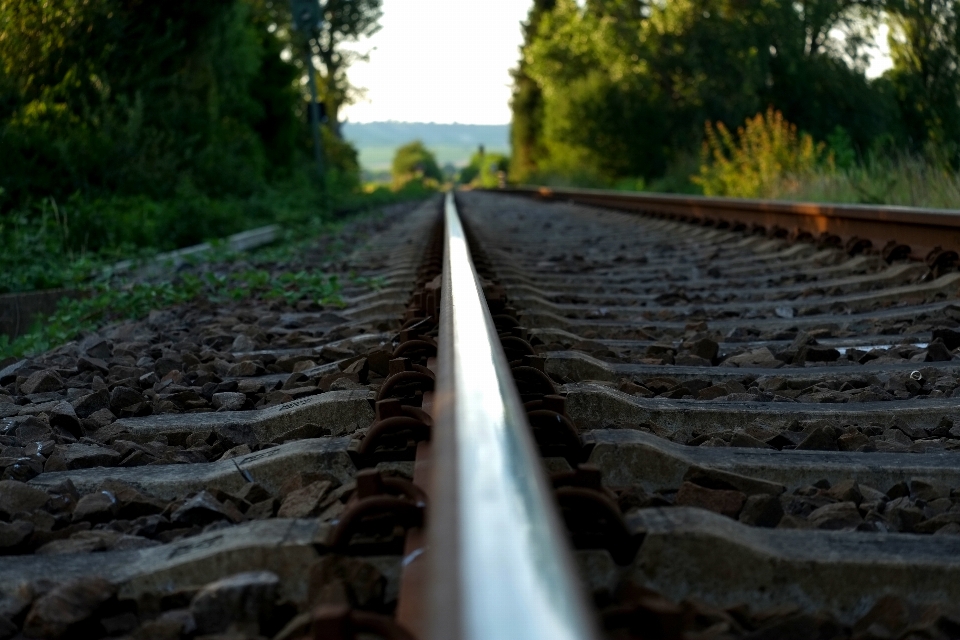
451, 142
420, 69
462, 124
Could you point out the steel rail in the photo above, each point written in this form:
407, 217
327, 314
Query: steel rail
922, 230
499, 562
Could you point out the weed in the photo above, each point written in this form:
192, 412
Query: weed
109, 302
766, 156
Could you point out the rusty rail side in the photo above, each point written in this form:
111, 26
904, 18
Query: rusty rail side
499, 562
923, 231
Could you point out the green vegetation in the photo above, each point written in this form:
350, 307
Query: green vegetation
111, 301
767, 158
616, 93
765, 152
376, 142
484, 169
413, 162
131, 128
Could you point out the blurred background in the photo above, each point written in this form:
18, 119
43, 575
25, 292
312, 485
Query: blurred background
129, 126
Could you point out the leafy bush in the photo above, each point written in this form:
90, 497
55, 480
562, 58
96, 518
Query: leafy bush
900, 178
138, 98
766, 158
414, 162
484, 169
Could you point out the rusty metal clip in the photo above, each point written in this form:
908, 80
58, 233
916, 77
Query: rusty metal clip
610, 531
340, 622
387, 502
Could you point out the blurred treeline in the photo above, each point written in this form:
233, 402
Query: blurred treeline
143, 123
615, 92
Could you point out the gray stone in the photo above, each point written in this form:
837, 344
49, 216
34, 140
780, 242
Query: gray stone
13, 534
203, 509
81, 542
89, 363
33, 428
229, 401
85, 406
688, 553
626, 457
846, 491
342, 412
240, 602
839, 515
56, 614
96, 507
740, 439
131, 504
42, 381
722, 501
593, 406
244, 369
81, 456
102, 417
342, 580
9, 373
285, 547
813, 353
937, 351
902, 514
928, 489
243, 343
173, 624
163, 366
705, 348
820, 439
18, 496
305, 502
122, 397
579, 366
761, 510
345, 384
97, 347
762, 358
63, 416
722, 479
952, 529
269, 467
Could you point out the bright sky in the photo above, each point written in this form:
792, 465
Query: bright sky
440, 61
450, 60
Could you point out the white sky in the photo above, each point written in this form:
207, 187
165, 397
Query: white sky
449, 61
440, 61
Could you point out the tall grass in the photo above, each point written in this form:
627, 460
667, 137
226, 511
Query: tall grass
769, 158
897, 179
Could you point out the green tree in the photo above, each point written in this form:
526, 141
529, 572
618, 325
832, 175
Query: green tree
925, 47
140, 97
622, 88
526, 103
342, 21
484, 169
413, 161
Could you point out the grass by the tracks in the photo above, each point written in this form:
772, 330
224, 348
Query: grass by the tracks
41, 256
769, 158
49, 244
112, 300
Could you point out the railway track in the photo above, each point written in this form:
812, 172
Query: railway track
551, 421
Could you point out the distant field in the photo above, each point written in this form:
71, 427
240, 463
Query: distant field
452, 143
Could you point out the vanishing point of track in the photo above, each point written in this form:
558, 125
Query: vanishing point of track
563, 414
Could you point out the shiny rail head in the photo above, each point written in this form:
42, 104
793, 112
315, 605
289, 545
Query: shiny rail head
501, 562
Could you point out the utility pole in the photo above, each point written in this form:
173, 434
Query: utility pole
308, 20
